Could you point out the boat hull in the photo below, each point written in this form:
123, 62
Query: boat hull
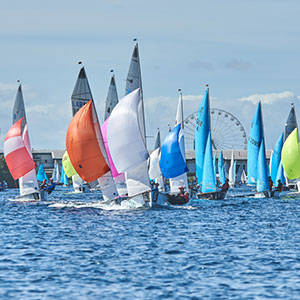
219, 195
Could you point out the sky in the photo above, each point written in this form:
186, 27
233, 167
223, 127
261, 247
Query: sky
245, 50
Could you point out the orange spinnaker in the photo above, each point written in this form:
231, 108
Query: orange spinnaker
83, 145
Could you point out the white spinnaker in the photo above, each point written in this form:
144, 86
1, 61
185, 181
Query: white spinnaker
126, 144
137, 180
124, 138
154, 169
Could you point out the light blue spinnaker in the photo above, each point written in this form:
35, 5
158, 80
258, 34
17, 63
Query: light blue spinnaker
221, 168
276, 158
41, 174
255, 138
262, 169
171, 161
208, 183
201, 134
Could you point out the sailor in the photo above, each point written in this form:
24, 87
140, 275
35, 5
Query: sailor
279, 186
51, 186
43, 185
184, 195
155, 188
225, 186
270, 183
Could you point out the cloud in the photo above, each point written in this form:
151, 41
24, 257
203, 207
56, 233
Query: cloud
238, 65
270, 98
195, 65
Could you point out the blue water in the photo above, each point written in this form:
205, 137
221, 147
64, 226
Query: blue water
239, 248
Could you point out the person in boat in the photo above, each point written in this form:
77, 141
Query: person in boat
43, 185
155, 187
270, 183
279, 187
49, 189
5, 184
225, 186
183, 194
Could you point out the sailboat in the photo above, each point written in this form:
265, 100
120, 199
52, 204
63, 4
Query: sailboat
181, 180
80, 96
255, 138
19, 161
110, 103
257, 164
172, 162
203, 154
29, 189
41, 174
86, 150
128, 150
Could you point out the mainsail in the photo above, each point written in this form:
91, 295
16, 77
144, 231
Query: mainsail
201, 134
208, 179
221, 169
262, 184
255, 138
133, 82
81, 93
276, 158
112, 98
28, 183
291, 122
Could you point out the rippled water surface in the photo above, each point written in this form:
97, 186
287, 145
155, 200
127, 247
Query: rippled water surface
69, 248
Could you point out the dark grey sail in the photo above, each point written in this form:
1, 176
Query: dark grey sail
19, 108
112, 98
81, 93
291, 122
134, 81
157, 141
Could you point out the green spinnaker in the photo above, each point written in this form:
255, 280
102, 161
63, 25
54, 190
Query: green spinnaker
290, 155
67, 165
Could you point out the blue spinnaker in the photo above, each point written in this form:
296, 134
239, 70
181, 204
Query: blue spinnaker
276, 158
262, 184
255, 138
208, 181
201, 134
171, 161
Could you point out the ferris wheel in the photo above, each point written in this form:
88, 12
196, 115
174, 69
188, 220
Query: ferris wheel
226, 130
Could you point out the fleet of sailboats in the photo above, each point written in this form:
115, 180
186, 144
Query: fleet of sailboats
114, 157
